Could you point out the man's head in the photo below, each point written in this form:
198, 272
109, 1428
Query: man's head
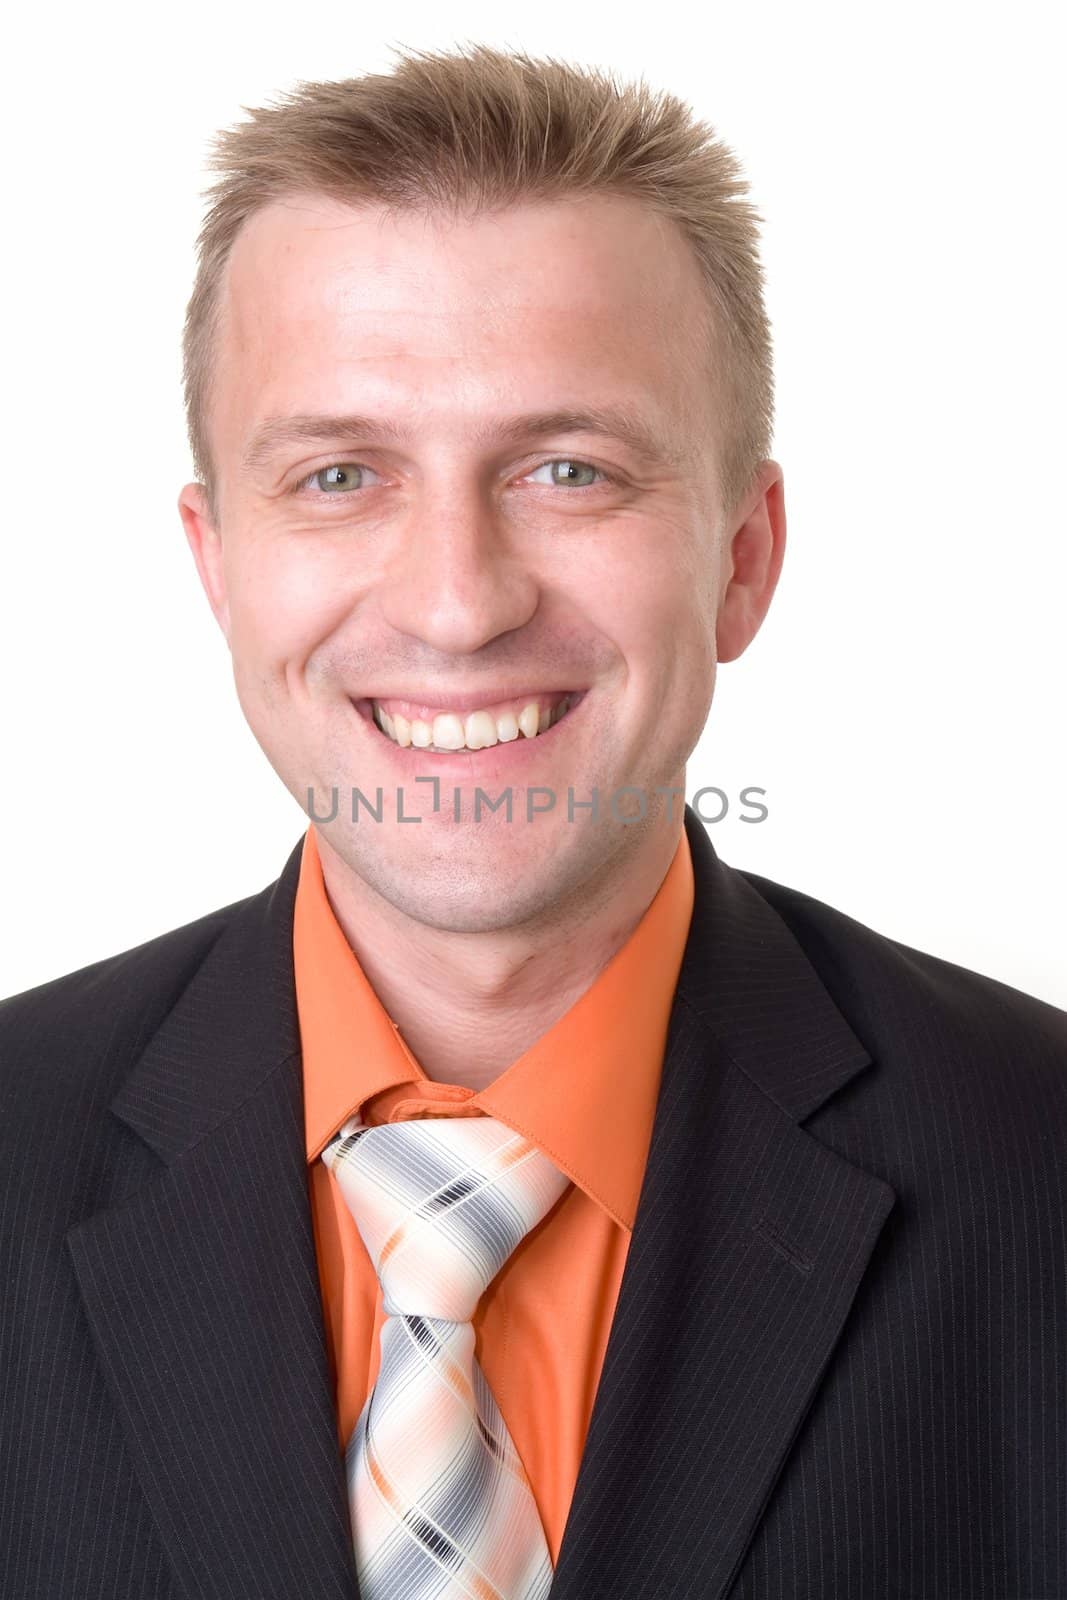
531, 305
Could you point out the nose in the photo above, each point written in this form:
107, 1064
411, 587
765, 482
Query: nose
458, 580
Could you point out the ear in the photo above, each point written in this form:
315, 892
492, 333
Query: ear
752, 561
205, 542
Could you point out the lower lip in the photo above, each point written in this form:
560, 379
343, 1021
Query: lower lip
503, 760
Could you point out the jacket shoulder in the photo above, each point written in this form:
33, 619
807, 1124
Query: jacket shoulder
104, 1009
906, 1004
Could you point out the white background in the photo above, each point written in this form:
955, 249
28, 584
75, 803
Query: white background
903, 705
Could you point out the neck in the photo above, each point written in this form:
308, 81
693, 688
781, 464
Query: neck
482, 999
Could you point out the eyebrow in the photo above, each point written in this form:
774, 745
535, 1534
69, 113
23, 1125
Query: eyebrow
620, 422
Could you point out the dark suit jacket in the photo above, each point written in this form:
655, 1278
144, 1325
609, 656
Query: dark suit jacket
838, 1365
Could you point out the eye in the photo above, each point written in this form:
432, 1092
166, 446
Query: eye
572, 475
338, 478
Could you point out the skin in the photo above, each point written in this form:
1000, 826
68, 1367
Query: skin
455, 560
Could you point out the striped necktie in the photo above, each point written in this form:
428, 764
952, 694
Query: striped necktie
440, 1503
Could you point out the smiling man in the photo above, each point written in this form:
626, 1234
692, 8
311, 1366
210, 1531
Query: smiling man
513, 1199
455, 521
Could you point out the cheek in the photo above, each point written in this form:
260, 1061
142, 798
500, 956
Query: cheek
283, 603
682, 680
663, 623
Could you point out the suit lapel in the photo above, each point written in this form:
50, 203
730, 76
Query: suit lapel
751, 1239
202, 1290
749, 1247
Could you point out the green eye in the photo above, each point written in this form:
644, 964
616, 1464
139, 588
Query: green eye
340, 478
337, 477
572, 474
574, 469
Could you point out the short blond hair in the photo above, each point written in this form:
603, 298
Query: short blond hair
480, 129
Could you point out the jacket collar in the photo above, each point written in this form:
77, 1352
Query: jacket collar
750, 1242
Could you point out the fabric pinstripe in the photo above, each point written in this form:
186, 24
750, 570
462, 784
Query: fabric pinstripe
837, 1368
440, 1503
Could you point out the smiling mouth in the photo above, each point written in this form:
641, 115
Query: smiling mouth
461, 733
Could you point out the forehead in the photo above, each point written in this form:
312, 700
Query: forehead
318, 291
588, 252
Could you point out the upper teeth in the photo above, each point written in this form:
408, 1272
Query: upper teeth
475, 730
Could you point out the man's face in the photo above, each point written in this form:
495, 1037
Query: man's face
437, 561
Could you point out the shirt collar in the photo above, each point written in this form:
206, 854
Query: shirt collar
585, 1092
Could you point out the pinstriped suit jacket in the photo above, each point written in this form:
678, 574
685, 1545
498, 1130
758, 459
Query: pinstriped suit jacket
838, 1365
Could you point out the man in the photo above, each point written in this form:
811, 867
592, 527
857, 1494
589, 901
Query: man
513, 1197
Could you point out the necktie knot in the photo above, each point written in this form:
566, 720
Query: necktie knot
441, 1204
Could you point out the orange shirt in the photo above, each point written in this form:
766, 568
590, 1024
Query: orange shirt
585, 1093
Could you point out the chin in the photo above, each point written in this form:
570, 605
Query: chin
466, 896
